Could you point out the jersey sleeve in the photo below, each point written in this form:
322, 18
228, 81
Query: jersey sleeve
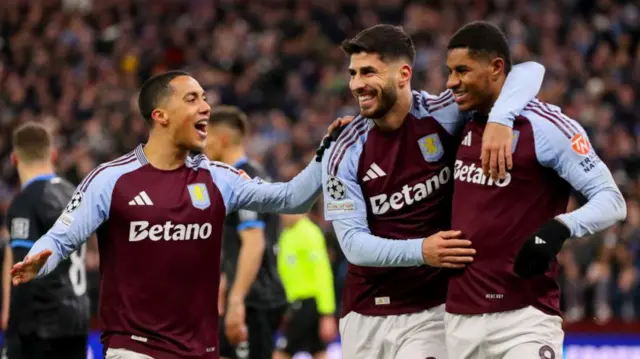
85, 212
342, 194
240, 192
565, 147
521, 86
249, 219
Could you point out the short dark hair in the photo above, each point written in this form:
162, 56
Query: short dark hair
154, 90
231, 116
482, 38
389, 41
32, 141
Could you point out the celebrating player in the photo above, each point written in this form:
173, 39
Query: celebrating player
49, 317
159, 217
255, 300
388, 177
518, 219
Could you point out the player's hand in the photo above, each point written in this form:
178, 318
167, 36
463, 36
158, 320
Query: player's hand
222, 292
235, 326
333, 132
539, 250
25, 271
496, 150
446, 250
328, 328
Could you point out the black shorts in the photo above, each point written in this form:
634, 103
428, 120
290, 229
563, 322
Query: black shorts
302, 329
262, 325
33, 347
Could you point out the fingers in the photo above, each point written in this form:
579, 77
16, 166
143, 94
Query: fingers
452, 265
493, 163
451, 243
485, 157
502, 170
509, 155
450, 234
458, 252
457, 259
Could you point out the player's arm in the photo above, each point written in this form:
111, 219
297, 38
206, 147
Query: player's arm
295, 196
520, 87
86, 211
566, 149
347, 210
6, 284
251, 230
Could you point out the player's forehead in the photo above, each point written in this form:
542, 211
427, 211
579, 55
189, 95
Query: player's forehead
459, 57
366, 59
185, 85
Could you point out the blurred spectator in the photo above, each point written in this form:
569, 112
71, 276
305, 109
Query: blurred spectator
77, 64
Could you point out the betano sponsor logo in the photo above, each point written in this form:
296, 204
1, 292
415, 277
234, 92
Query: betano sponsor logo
140, 230
409, 195
472, 174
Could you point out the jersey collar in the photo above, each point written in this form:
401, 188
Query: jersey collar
44, 177
243, 160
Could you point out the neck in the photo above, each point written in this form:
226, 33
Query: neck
233, 155
393, 119
494, 91
31, 171
161, 156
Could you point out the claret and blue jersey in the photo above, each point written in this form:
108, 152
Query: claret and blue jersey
386, 191
159, 235
551, 154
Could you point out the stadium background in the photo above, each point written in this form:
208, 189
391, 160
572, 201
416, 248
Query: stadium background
76, 65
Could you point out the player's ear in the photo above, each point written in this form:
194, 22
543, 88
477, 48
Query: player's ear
54, 155
160, 117
14, 159
404, 78
497, 67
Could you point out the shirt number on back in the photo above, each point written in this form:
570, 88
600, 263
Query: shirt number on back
77, 272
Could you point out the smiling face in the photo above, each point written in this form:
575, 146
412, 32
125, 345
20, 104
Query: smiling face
185, 113
374, 83
473, 79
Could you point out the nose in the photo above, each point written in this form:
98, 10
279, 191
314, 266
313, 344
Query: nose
205, 109
453, 81
356, 84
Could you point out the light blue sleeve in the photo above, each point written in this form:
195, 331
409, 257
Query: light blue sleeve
345, 206
295, 196
85, 212
575, 160
521, 86
362, 248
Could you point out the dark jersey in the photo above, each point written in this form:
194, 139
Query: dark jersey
267, 290
56, 305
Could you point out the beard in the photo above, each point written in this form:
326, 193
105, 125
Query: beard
387, 99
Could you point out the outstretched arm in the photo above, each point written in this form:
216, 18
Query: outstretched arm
87, 209
295, 196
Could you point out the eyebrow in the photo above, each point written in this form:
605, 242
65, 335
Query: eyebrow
194, 93
364, 68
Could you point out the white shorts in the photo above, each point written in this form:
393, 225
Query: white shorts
124, 354
526, 333
407, 336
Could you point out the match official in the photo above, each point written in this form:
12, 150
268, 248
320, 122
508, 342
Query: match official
48, 317
303, 264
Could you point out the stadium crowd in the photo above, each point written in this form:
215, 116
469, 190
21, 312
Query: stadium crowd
76, 65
